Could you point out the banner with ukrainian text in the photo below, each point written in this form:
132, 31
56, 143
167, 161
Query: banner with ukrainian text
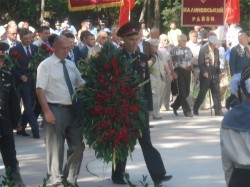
78, 5
202, 12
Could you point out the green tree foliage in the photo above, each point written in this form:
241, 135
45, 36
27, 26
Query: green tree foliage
245, 15
29, 10
172, 13
19, 10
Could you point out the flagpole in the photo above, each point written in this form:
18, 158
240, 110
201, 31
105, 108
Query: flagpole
129, 11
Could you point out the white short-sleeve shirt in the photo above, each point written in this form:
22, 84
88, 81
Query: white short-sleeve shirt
50, 78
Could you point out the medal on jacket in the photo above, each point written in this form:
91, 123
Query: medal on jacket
2, 76
143, 65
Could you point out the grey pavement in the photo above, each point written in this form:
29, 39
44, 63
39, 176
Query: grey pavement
190, 149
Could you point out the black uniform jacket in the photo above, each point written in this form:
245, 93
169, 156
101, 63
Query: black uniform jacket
206, 64
141, 67
9, 106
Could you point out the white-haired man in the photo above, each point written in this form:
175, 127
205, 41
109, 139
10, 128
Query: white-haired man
164, 48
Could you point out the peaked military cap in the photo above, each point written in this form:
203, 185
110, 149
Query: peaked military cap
129, 29
3, 47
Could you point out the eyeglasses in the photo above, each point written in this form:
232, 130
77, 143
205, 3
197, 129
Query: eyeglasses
104, 37
13, 33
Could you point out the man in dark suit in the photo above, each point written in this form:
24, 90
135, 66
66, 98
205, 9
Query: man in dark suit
144, 46
74, 53
90, 42
129, 34
239, 57
24, 51
9, 116
209, 65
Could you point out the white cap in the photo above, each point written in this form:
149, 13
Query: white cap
213, 39
107, 30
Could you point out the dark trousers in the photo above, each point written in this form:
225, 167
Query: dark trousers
29, 97
152, 158
8, 151
240, 178
184, 77
37, 112
214, 85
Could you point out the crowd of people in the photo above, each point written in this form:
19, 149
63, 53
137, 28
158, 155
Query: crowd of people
195, 65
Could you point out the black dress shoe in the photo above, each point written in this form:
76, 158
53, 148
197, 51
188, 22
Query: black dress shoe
166, 178
36, 136
195, 112
219, 113
188, 114
162, 179
119, 181
23, 133
174, 110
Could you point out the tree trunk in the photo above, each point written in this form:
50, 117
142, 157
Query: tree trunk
157, 14
42, 10
150, 16
142, 16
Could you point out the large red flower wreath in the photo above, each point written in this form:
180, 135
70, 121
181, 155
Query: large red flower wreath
114, 105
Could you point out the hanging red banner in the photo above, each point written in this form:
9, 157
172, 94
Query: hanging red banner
233, 11
202, 12
78, 5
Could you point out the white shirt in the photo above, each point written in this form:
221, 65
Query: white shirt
195, 48
50, 78
232, 36
140, 46
39, 42
173, 35
222, 57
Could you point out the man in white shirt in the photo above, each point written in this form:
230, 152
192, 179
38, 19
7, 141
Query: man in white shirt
44, 33
60, 120
173, 34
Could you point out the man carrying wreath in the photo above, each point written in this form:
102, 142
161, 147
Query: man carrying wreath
129, 33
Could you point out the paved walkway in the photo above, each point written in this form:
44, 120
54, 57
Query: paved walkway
189, 147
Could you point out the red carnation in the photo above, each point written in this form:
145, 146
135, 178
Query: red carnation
44, 46
106, 66
50, 50
104, 124
17, 55
113, 89
117, 119
134, 108
115, 79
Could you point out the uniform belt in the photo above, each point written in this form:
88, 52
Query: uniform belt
60, 105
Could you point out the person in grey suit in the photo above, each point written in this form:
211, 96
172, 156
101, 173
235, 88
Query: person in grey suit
102, 38
209, 66
11, 34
